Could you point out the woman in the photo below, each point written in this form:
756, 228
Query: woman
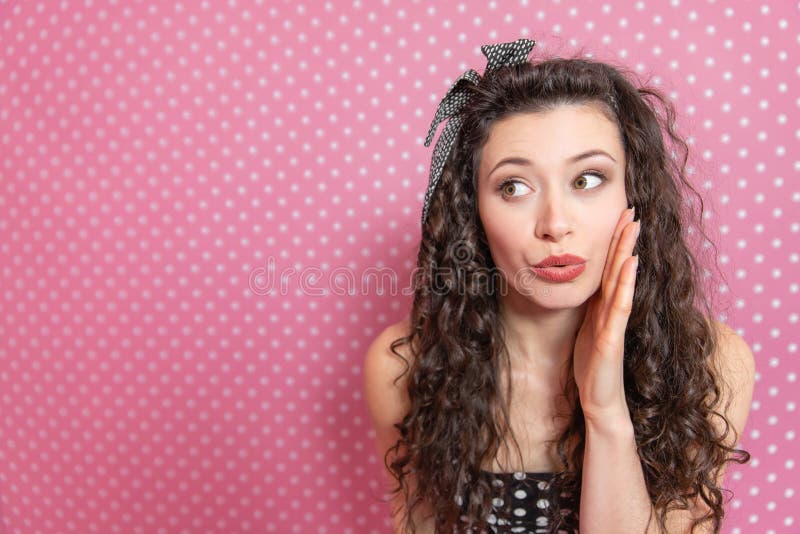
547, 379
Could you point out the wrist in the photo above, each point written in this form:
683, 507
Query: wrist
618, 426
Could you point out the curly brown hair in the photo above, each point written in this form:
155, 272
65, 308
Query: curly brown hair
458, 418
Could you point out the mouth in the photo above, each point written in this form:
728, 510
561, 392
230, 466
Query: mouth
560, 273
560, 261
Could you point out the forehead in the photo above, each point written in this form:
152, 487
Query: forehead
551, 137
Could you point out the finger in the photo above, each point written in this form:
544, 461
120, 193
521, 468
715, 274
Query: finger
625, 217
622, 304
623, 252
590, 306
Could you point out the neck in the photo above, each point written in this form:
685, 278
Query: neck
540, 338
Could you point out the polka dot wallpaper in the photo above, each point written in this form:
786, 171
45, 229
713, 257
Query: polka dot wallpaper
208, 210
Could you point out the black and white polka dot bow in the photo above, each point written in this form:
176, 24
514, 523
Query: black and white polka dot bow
497, 55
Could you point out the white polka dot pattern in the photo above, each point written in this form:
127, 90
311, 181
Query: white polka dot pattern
497, 55
195, 198
520, 503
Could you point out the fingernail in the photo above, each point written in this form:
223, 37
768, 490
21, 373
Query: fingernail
638, 227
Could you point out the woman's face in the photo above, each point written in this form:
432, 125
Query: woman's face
551, 198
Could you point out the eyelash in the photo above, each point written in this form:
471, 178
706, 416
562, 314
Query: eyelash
597, 174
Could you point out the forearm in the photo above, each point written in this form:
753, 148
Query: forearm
614, 497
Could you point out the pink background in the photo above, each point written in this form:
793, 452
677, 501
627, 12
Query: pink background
160, 159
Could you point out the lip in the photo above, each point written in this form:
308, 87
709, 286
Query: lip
559, 274
563, 259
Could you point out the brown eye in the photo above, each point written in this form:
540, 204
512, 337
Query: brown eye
582, 183
510, 188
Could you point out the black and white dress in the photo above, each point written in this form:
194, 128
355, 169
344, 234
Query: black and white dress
520, 501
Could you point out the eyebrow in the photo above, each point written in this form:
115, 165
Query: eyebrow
516, 160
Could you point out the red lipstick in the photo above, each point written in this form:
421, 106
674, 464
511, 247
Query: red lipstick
562, 268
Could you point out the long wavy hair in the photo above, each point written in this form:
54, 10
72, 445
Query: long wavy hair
458, 417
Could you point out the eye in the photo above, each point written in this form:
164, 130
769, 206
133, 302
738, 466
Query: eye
598, 176
509, 187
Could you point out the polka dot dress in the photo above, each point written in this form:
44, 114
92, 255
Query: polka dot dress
519, 503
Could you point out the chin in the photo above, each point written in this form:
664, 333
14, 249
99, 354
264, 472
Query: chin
557, 301
554, 296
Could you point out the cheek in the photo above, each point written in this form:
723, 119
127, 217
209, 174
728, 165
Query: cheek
603, 239
498, 220
492, 227
502, 242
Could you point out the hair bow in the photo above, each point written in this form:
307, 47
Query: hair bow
497, 55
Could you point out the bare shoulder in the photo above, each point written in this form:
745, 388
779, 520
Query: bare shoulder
385, 395
733, 355
736, 366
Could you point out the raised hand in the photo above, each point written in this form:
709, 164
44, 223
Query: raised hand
599, 345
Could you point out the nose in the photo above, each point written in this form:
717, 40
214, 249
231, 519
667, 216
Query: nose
552, 219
